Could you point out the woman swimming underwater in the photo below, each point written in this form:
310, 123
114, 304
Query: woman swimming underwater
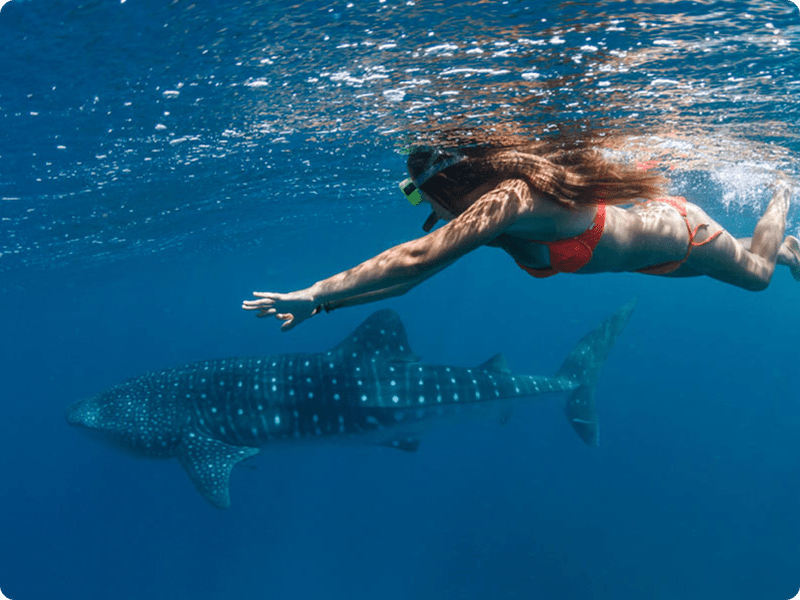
554, 212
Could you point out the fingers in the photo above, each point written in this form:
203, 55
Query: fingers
288, 321
261, 309
253, 306
267, 299
266, 307
257, 302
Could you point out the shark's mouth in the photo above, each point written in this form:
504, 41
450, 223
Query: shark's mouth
79, 415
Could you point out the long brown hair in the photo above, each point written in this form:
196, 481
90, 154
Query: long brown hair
571, 177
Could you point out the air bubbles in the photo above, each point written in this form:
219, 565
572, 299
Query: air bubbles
394, 95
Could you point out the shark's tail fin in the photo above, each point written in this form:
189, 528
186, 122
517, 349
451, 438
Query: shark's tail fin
583, 365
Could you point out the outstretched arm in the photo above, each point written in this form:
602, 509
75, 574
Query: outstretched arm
398, 269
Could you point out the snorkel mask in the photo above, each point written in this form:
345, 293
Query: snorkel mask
439, 161
409, 188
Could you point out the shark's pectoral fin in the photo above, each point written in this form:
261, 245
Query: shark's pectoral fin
208, 463
407, 444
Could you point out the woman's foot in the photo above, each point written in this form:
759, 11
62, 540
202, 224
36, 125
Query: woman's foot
791, 249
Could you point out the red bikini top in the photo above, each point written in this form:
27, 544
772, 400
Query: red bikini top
571, 254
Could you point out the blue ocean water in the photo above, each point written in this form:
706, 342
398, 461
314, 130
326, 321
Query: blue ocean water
160, 161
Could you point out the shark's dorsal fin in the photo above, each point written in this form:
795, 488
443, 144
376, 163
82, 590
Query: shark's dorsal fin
208, 463
381, 335
497, 363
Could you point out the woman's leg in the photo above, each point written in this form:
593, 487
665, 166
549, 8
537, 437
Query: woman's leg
788, 253
748, 263
768, 235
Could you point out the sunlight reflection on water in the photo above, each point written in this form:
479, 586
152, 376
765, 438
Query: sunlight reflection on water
211, 127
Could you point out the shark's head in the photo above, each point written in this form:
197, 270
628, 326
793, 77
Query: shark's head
130, 417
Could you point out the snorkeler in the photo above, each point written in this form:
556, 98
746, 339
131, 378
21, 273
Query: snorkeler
553, 212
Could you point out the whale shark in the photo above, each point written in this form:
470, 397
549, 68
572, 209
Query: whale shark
371, 387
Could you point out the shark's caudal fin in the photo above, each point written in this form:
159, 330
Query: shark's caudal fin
583, 365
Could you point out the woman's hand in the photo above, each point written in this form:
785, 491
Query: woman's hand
292, 308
